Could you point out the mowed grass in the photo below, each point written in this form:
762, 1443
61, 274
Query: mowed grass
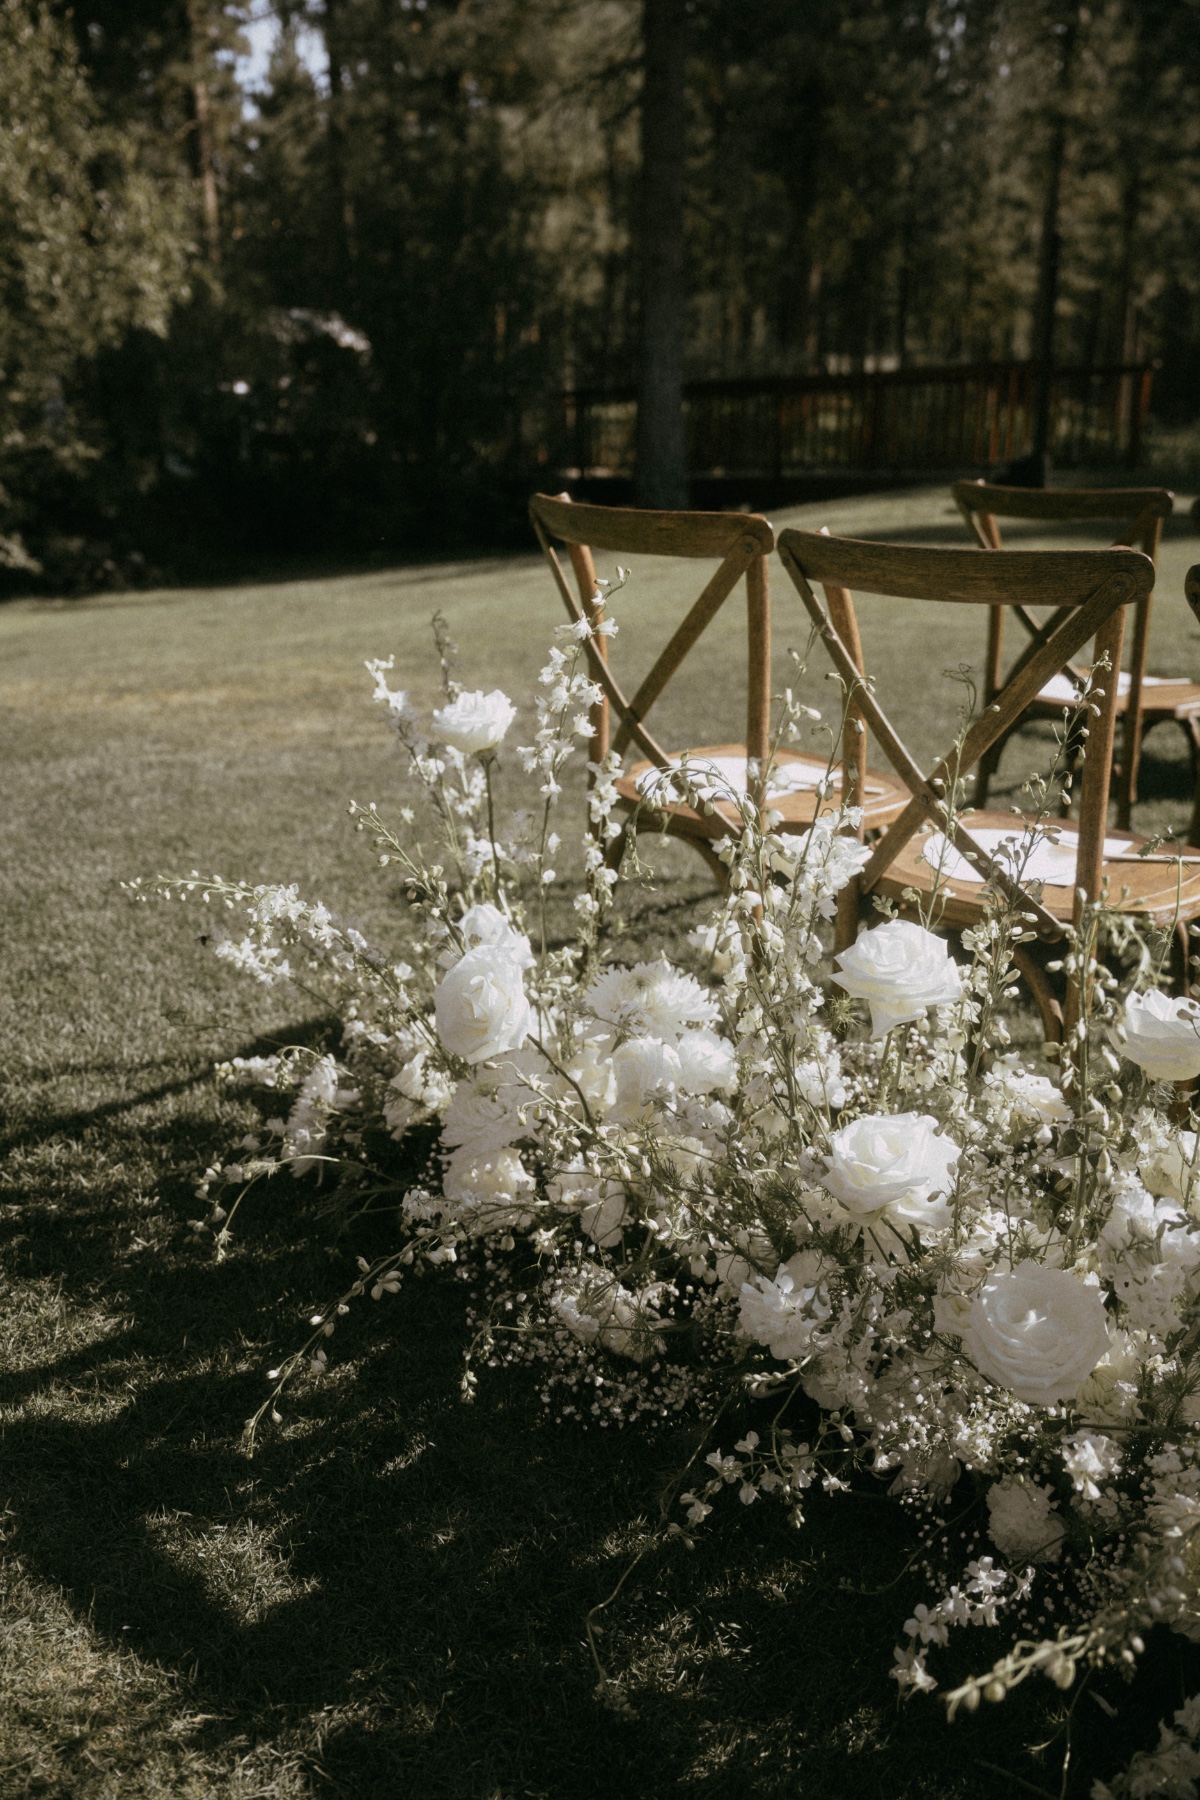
389, 1599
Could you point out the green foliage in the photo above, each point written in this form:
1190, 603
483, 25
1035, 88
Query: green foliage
865, 183
90, 248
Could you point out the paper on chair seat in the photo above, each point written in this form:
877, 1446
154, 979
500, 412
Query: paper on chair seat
714, 777
1061, 689
1047, 861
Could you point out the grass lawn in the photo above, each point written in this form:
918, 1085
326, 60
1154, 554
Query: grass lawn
389, 1599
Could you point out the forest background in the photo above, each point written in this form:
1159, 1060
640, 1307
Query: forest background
335, 315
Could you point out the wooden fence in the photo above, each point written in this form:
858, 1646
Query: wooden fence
966, 418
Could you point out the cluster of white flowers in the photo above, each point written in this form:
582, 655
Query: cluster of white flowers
723, 1184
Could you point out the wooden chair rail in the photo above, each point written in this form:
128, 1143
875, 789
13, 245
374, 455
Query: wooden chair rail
634, 531
1139, 512
1021, 577
1062, 505
742, 541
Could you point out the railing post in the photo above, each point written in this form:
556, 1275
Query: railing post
1139, 415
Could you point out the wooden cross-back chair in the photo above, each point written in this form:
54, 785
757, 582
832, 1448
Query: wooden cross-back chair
742, 542
1089, 590
1142, 700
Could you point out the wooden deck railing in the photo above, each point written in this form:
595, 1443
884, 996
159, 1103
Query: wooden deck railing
970, 417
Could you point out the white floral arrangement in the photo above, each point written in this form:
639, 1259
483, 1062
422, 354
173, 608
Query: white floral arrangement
886, 1247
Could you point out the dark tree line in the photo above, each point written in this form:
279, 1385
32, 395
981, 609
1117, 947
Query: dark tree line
340, 318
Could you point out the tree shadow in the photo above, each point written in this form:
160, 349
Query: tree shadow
398, 1583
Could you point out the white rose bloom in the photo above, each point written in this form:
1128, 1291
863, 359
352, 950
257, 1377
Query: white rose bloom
489, 1191
480, 1005
706, 1061
1024, 1523
1162, 1036
486, 925
893, 1163
646, 1071
475, 723
900, 970
1037, 1331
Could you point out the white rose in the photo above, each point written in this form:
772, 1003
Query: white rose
1037, 1331
1024, 1522
486, 925
646, 1071
475, 723
1162, 1036
893, 1163
900, 970
480, 1005
706, 1061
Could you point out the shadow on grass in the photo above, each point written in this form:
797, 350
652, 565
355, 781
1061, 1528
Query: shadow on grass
396, 1585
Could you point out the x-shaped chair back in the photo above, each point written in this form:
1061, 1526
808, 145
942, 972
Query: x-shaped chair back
1139, 514
742, 541
1089, 591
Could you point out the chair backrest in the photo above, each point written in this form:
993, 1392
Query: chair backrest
1088, 590
1138, 514
742, 542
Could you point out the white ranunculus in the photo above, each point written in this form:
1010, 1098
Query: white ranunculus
900, 970
480, 1005
1024, 1522
1170, 1172
486, 925
491, 1192
475, 723
1162, 1036
605, 1218
485, 1113
706, 1062
893, 1163
647, 1070
784, 1313
601, 1205
1027, 1096
1037, 1331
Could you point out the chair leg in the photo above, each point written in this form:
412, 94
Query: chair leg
989, 762
1038, 983
1181, 953
1193, 727
614, 855
715, 866
845, 929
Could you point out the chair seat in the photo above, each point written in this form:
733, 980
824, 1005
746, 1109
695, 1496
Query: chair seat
792, 791
1151, 888
1166, 696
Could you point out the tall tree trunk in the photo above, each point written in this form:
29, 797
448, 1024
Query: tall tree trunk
661, 450
1050, 253
205, 146
335, 139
